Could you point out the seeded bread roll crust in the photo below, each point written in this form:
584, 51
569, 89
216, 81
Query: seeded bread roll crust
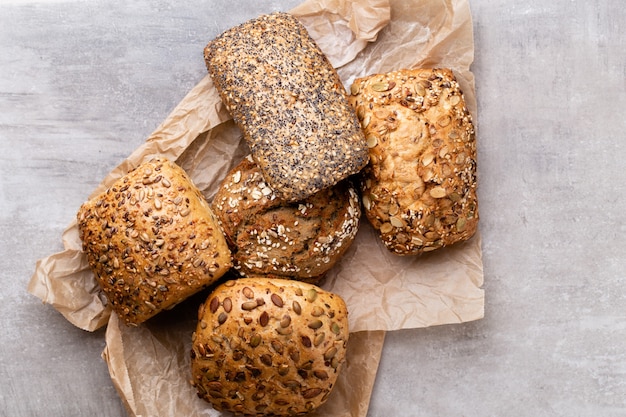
300, 240
152, 240
290, 104
419, 188
268, 346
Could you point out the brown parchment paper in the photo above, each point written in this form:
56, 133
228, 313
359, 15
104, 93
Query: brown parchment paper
384, 292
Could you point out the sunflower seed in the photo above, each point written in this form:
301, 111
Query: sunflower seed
311, 393
320, 374
292, 384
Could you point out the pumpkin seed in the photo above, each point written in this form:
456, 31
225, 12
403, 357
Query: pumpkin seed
311, 295
330, 353
444, 121
249, 305
296, 307
396, 221
317, 311
227, 304
386, 228
380, 87
255, 340
264, 319
285, 321
278, 302
437, 192
247, 292
461, 224
315, 324
214, 304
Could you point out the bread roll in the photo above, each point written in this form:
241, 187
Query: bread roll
419, 189
290, 104
268, 346
300, 240
152, 240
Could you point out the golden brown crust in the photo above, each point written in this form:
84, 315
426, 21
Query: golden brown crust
152, 240
290, 104
268, 346
299, 240
419, 189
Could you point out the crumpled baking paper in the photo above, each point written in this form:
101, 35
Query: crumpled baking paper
149, 365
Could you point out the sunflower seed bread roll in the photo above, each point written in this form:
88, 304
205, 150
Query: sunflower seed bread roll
268, 346
152, 240
290, 104
299, 240
419, 189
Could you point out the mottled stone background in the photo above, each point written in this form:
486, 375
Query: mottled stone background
82, 84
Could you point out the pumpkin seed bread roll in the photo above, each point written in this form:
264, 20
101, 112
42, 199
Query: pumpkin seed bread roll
268, 346
419, 188
299, 240
152, 241
290, 104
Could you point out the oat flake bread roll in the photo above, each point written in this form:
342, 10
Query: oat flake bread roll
299, 240
152, 240
290, 104
419, 189
268, 346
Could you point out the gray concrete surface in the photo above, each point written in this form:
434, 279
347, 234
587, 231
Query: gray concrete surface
83, 83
